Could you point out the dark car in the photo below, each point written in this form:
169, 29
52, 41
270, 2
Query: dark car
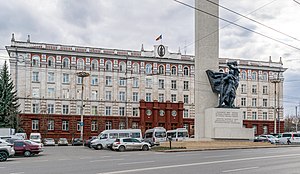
27, 147
88, 142
77, 142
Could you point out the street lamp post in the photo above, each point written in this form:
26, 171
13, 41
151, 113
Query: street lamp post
82, 75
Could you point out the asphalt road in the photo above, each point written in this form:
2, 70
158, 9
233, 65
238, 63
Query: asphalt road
82, 160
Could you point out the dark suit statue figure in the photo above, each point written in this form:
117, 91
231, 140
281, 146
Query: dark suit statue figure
225, 84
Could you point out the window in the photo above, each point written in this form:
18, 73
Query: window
135, 68
135, 96
121, 111
173, 84
265, 102
78, 126
254, 89
79, 80
244, 115
122, 81
50, 109
50, 62
265, 115
173, 97
94, 80
94, 110
185, 85
51, 92
254, 115
50, 125
185, 99
65, 93
35, 124
94, 95
186, 113
94, 125
108, 81
135, 125
254, 127
135, 83
80, 64
122, 126
148, 69
122, 67
66, 78
94, 65
108, 95
161, 84
161, 69
243, 89
65, 109
148, 83
161, 97
108, 66
50, 77
108, 125
148, 97
254, 102
265, 89
35, 61
265, 129
135, 112
35, 77
35, 92
243, 101
65, 125
173, 70
244, 75
121, 96
78, 109
35, 108
185, 71
254, 75
265, 76
66, 63
108, 110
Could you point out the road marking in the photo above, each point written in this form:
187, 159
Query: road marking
63, 159
17, 173
2, 167
241, 169
140, 162
104, 160
196, 164
216, 156
40, 161
14, 162
124, 155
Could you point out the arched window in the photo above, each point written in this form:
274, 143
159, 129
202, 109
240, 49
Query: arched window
135, 68
254, 75
94, 64
186, 71
51, 61
221, 70
148, 69
122, 67
80, 64
174, 70
66, 62
35, 61
108, 66
244, 75
265, 76
161, 69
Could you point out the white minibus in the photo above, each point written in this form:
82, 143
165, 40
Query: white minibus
155, 136
107, 137
35, 137
179, 134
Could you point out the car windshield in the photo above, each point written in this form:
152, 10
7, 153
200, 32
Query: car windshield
49, 139
63, 139
160, 134
34, 137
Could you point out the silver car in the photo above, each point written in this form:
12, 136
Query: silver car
122, 144
62, 142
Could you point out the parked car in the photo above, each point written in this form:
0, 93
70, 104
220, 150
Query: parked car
27, 147
49, 142
266, 138
62, 142
35, 137
6, 150
289, 138
122, 144
77, 142
88, 141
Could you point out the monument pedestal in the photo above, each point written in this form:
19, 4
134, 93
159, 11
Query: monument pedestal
226, 123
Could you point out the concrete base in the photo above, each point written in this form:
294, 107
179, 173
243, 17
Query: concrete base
225, 123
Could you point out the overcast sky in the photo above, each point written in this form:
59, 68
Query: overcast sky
127, 24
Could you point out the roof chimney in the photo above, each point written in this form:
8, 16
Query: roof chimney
13, 37
28, 38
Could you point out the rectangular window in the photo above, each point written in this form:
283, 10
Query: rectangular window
122, 81
173, 97
244, 115
78, 109
254, 127
108, 110
65, 109
94, 110
35, 92
135, 112
254, 115
108, 125
121, 96
35, 124
50, 125
65, 93
135, 83
78, 126
121, 126
148, 83
35, 76
161, 84
185, 85
121, 111
79, 80
35, 108
265, 115
254, 102
161, 97
108, 95
186, 113
173, 84
243, 101
265, 102
65, 125
135, 125
66, 78
50, 108
254, 89
135, 96
265, 89
51, 77
51, 92
108, 81
94, 80
148, 97
94, 126
94, 95
243, 89
185, 99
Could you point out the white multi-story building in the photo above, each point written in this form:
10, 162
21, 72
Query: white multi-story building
49, 90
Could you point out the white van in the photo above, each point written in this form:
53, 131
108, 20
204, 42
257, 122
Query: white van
155, 136
293, 138
107, 137
36, 137
179, 134
23, 135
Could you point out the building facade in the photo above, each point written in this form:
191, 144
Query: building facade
128, 89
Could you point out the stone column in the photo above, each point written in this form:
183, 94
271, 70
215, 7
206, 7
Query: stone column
206, 57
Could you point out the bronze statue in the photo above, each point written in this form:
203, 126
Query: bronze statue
225, 84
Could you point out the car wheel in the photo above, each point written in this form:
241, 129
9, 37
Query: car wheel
145, 148
99, 147
3, 156
122, 148
27, 153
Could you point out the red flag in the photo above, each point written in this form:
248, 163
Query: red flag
158, 38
